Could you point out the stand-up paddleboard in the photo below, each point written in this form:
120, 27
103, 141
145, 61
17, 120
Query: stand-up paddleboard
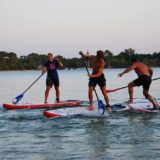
69, 112
143, 108
44, 105
84, 111
147, 110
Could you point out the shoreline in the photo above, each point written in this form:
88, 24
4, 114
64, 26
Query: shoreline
17, 70
61, 69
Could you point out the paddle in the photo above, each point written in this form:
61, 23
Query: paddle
100, 103
19, 97
113, 90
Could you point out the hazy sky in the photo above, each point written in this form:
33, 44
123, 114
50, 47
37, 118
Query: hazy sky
68, 26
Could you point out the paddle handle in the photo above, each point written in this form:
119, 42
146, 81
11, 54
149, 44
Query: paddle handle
91, 78
113, 90
155, 79
32, 84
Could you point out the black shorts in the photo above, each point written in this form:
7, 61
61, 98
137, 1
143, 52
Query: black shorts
144, 81
51, 82
101, 81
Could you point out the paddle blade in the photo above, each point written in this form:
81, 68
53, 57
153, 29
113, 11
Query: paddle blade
101, 107
17, 99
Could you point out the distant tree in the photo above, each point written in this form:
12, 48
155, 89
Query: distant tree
108, 58
10, 61
127, 53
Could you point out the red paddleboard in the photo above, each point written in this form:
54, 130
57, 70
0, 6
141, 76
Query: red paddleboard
44, 105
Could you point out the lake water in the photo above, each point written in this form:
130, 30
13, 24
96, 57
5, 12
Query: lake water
27, 135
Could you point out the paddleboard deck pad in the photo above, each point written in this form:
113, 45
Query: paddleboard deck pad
144, 107
44, 105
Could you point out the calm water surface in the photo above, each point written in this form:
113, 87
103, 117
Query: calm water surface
27, 135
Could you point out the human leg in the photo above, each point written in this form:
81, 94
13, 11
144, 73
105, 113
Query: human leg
47, 93
57, 94
130, 91
48, 87
90, 96
150, 98
92, 84
55, 82
146, 85
103, 89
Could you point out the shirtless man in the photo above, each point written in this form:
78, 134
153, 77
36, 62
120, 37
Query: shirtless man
97, 76
144, 79
52, 76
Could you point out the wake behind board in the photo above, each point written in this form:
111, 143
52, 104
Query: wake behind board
44, 105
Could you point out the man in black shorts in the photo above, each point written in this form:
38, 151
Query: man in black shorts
52, 76
144, 79
97, 76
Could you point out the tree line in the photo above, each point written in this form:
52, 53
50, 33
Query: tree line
34, 61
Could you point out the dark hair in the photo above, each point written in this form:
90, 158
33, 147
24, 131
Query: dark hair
50, 54
134, 60
100, 54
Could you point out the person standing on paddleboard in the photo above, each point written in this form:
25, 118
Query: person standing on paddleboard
52, 76
144, 79
97, 76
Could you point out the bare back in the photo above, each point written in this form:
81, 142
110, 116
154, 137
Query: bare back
141, 69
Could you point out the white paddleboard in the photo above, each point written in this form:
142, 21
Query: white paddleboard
68, 112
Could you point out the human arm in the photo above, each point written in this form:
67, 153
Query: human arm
60, 64
99, 72
127, 70
86, 56
150, 71
44, 69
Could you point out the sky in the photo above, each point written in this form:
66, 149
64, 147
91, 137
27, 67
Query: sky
66, 27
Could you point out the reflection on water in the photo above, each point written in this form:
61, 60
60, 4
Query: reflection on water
26, 134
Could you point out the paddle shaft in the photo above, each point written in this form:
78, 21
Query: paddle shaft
32, 84
108, 91
91, 78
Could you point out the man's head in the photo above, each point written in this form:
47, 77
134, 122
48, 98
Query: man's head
134, 60
50, 57
100, 54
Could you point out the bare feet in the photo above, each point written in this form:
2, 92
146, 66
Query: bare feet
91, 108
129, 102
108, 108
156, 107
57, 100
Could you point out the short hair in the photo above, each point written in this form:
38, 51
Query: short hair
50, 54
134, 60
100, 54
